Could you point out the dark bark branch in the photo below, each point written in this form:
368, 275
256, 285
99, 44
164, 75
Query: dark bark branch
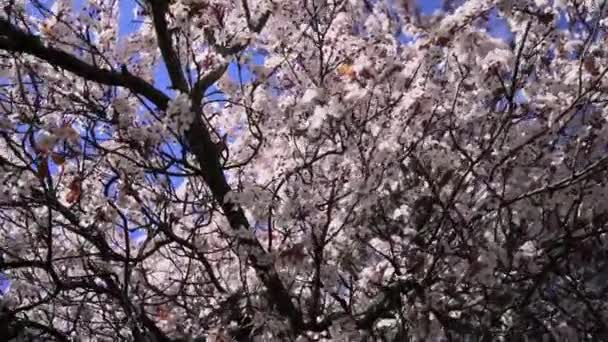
47, 330
387, 301
172, 63
201, 86
207, 155
22, 42
255, 26
10, 330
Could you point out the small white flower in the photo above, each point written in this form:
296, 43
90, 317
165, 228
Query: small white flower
528, 249
309, 96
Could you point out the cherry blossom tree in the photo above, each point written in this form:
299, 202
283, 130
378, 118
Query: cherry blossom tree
303, 170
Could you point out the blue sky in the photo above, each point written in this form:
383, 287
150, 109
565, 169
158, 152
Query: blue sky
429, 6
5, 284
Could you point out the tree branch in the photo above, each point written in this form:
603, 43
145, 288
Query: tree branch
387, 301
172, 63
255, 26
22, 42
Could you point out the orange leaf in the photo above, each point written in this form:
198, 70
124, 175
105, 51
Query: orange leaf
346, 70
163, 313
46, 144
46, 29
442, 41
67, 132
590, 66
75, 191
43, 169
58, 159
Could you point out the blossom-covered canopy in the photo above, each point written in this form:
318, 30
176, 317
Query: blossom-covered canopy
303, 170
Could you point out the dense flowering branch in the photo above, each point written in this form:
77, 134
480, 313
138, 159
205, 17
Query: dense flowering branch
19, 41
311, 171
199, 139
